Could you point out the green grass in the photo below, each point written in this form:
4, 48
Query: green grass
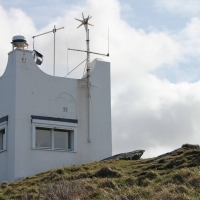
173, 177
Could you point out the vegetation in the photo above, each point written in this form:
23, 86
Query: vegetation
175, 176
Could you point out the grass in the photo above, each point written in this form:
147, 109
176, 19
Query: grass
173, 177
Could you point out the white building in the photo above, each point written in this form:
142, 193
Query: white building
44, 119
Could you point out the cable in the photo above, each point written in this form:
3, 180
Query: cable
75, 68
67, 57
108, 40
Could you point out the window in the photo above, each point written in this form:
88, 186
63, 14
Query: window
63, 139
3, 130
51, 138
2, 133
43, 138
54, 134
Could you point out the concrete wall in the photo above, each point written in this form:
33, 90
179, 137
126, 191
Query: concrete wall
36, 93
100, 110
7, 107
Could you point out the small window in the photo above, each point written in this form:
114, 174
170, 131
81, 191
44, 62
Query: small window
63, 139
51, 133
52, 138
2, 139
3, 133
43, 138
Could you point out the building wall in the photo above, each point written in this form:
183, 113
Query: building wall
7, 108
100, 110
36, 93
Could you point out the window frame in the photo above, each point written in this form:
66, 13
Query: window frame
3, 125
54, 125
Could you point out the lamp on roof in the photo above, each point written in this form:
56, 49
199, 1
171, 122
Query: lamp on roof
19, 42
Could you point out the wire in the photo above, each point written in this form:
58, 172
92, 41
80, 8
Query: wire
108, 40
67, 57
75, 68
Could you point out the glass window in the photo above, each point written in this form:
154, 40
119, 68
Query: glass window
54, 138
61, 139
43, 137
2, 132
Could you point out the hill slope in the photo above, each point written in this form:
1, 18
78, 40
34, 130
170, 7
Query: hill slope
175, 175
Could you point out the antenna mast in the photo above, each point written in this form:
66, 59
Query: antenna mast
84, 22
54, 49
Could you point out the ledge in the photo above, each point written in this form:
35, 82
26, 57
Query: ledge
2, 151
56, 150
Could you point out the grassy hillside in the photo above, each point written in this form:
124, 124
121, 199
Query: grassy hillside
175, 176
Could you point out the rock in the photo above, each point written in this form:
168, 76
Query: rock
169, 153
190, 146
133, 155
184, 146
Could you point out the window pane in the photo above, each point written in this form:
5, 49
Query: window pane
43, 137
62, 139
1, 138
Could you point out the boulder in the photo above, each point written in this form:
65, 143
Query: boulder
133, 155
184, 146
190, 146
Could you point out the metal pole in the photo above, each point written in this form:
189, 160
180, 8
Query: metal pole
88, 81
54, 70
54, 32
101, 54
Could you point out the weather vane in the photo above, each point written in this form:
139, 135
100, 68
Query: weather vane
84, 22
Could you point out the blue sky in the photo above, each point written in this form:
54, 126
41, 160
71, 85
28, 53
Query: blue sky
155, 59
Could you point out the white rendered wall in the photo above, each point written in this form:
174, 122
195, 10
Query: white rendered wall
35, 93
100, 110
7, 107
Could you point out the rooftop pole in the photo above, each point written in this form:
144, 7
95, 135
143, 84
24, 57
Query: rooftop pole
85, 23
54, 51
88, 84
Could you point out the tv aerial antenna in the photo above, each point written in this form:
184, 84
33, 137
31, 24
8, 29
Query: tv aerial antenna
54, 49
85, 22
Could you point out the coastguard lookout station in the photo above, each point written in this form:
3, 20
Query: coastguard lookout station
49, 122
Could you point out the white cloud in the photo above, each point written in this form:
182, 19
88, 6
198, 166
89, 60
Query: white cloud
190, 37
186, 7
13, 23
148, 113
151, 113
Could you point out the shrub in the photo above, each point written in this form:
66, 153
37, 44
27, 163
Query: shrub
106, 172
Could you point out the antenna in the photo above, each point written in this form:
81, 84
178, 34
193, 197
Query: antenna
108, 41
84, 22
54, 32
67, 57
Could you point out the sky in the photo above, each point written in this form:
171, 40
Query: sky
154, 54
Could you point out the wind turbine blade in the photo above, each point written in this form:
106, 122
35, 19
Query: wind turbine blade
83, 16
78, 20
90, 24
79, 25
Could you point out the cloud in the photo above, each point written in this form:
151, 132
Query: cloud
148, 112
190, 37
183, 7
152, 113
13, 22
